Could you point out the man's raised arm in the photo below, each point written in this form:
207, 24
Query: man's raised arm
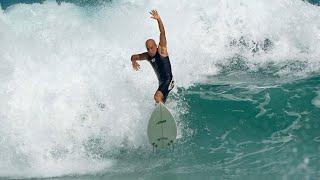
163, 40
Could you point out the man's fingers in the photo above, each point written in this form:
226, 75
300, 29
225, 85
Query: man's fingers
136, 66
153, 12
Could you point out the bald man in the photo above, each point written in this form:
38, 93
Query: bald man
159, 60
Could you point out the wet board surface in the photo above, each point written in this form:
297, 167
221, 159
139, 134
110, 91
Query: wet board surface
162, 129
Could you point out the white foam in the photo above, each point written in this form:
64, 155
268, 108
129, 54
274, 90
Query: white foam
316, 101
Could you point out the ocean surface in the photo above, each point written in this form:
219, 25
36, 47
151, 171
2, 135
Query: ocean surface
246, 101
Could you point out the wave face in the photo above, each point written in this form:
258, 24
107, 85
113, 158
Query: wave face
247, 96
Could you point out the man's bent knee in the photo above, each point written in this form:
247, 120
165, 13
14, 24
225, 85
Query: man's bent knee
158, 97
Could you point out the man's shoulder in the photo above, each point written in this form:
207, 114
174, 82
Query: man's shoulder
162, 51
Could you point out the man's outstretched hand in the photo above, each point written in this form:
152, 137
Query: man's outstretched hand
135, 65
155, 15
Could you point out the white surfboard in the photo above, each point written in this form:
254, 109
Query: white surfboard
162, 129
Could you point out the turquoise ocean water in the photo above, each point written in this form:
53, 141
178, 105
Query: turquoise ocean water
246, 102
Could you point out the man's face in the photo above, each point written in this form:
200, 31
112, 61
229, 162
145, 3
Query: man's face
151, 48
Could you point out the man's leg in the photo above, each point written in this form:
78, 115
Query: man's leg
158, 96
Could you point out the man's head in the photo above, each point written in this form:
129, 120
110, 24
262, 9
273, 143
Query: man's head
151, 47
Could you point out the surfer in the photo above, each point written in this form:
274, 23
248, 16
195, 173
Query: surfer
159, 60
